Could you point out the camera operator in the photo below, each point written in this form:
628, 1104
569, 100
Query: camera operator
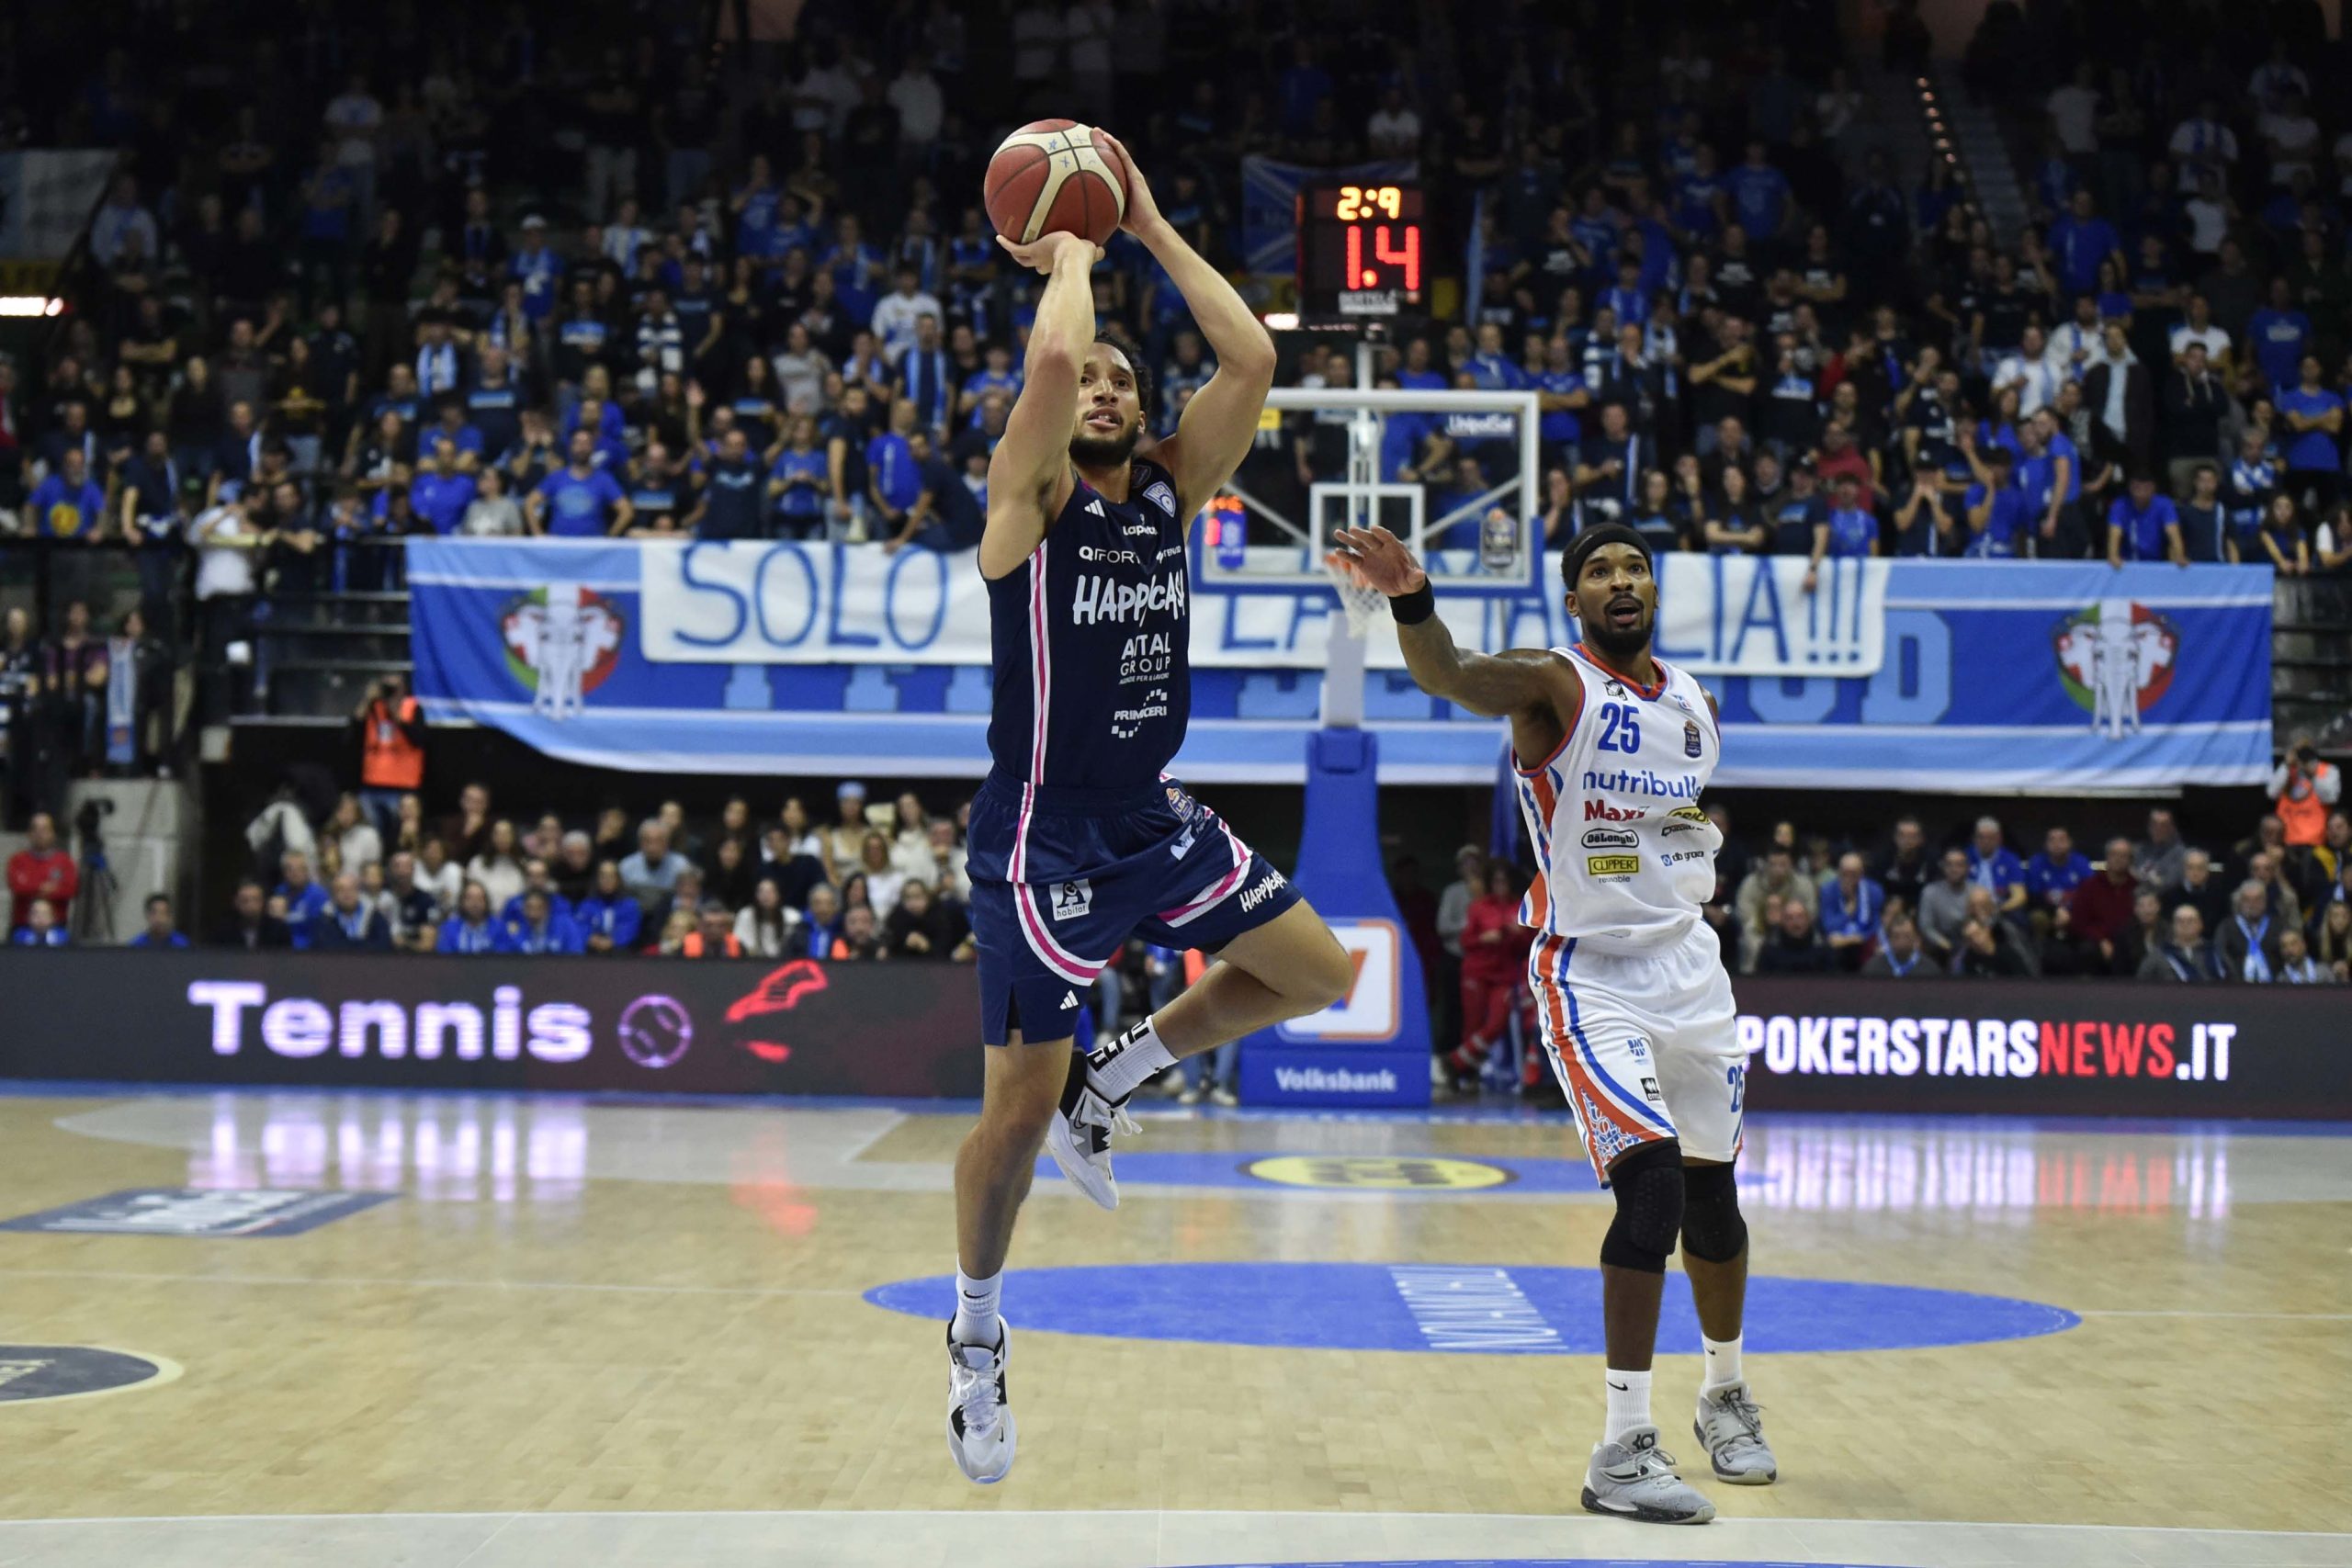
392, 752
2306, 790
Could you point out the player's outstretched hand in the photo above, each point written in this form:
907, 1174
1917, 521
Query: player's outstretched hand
1040, 254
1142, 211
1376, 559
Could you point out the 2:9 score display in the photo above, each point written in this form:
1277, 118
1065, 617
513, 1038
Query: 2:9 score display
1367, 201
1359, 248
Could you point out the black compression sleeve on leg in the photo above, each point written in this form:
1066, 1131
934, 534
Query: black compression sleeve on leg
1648, 1186
1712, 1228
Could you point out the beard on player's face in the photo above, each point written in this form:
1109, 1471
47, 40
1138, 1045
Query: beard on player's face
1601, 617
1089, 451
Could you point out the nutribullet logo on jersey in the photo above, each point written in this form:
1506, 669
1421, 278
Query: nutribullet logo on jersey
1644, 782
1108, 599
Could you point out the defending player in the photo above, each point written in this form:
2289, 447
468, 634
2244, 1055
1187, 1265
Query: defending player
1078, 839
1613, 748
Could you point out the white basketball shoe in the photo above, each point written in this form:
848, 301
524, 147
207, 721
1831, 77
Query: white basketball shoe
979, 1422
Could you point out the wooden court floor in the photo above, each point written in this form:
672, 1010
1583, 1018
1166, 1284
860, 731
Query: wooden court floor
577, 1330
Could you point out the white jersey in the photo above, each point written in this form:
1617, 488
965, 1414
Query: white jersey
1626, 855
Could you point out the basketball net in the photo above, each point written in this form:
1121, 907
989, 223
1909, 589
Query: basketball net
1362, 604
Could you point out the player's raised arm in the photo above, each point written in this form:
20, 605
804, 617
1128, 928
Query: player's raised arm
1218, 425
1537, 690
1031, 464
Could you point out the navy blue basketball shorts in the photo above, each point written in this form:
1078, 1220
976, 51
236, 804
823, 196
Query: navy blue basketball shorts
1062, 878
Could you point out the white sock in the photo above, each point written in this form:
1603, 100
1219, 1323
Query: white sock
1629, 1403
976, 1308
1723, 1363
1117, 1070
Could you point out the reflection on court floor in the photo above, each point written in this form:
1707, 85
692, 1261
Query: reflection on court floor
367, 1329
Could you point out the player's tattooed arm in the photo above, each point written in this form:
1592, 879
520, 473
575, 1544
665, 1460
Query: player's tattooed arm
1536, 689
1031, 463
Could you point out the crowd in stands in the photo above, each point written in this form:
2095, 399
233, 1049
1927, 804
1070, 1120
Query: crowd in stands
492, 278
880, 882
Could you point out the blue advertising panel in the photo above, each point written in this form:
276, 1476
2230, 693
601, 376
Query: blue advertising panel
795, 659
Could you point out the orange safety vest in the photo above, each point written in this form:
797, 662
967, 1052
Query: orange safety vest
387, 758
2305, 816
691, 947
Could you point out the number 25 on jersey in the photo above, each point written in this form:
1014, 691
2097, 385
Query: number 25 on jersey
1621, 728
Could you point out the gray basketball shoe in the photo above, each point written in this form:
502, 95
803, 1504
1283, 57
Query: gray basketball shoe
1730, 1425
1634, 1479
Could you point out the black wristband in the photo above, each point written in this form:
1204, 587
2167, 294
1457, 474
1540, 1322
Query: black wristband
1412, 609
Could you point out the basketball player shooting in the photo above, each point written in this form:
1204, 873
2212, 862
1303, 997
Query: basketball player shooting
1078, 839
1612, 748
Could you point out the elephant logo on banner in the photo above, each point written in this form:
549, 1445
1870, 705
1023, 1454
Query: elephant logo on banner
562, 642
2116, 660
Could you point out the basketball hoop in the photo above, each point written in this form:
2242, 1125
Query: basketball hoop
1362, 604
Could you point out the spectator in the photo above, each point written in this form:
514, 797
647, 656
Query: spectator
609, 918
922, 926
1794, 948
537, 926
2159, 859
2052, 874
357, 840
2333, 946
350, 923
302, 899
2146, 933
1852, 907
2296, 965
2099, 913
574, 872
41, 870
160, 931
1987, 947
499, 867
41, 927
858, 938
1906, 868
470, 931
1943, 908
1899, 955
258, 928
818, 934
407, 906
764, 927
713, 935
2281, 899
2186, 954
651, 873
391, 750
845, 843
1494, 968
883, 880
1776, 878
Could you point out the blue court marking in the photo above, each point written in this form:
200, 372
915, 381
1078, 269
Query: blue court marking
1478, 1309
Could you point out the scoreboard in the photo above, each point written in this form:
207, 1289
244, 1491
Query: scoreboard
1362, 250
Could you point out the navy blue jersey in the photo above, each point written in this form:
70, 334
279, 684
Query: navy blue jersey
1092, 639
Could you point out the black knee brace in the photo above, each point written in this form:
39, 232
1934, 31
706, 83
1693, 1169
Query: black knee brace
1712, 1230
1648, 1185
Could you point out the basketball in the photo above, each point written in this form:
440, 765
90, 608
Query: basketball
1057, 175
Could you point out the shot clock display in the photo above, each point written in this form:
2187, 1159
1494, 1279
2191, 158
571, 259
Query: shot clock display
1362, 250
